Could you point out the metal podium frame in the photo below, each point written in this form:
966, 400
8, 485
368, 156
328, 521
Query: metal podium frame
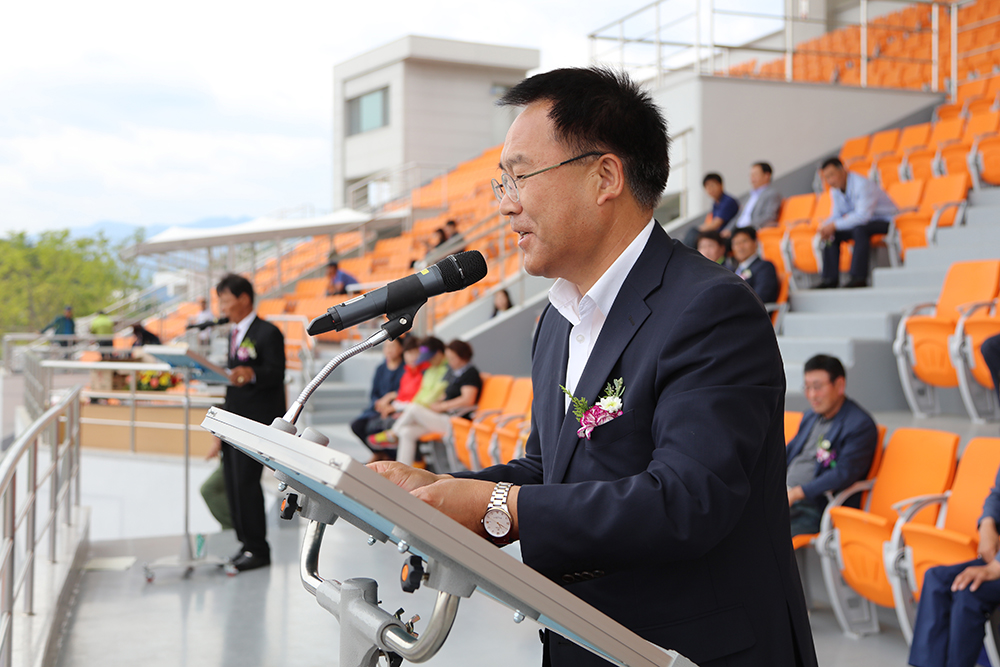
191, 365
330, 485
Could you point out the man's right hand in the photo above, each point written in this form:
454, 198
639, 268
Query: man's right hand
989, 541
404, 476
214, 450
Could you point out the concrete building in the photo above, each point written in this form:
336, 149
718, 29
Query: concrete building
414, 108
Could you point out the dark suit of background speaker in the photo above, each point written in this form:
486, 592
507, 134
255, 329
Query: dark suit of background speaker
261, 400
673, 518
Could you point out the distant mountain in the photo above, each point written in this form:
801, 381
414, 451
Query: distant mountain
120, 231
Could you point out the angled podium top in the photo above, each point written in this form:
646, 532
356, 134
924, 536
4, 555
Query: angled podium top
180, 356
380, 508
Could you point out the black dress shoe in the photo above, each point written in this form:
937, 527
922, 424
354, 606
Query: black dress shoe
857, 282
248, 561
826, 284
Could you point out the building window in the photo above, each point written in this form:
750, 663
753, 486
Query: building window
368, 112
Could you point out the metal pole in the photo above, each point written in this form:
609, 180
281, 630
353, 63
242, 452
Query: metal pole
7, 595
864, 43
76, 450
29, 530
935, 47
131, 428
789, 41
54, 483
187, 462
711, 37
954, 54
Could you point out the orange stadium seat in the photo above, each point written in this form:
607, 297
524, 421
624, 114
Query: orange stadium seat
921, 345
511, 439
943, 201
954, 158
981, 321
516, 408
798, 244
915, 462
854, 149
912, 138
792, 421
917, 547
919, 163
883, 144
496, 388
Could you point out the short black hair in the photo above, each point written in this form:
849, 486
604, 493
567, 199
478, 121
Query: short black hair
333, 263
711, 176
235, 285
452, 223
598, 109
764, 167
410, 343
461, 348
832, 162
711, 235
749, 231
825, 362
433, 344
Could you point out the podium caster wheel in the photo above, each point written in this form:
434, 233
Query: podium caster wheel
230, 570
150, 576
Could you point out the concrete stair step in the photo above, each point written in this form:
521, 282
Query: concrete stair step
940, 257
872, 378
906, 277
988, 196
799, 349
871, 326
951, 237
982, 216
866, 299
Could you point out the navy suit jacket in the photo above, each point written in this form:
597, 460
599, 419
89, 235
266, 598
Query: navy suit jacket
763, 278
853, 438
263, 399
673, 518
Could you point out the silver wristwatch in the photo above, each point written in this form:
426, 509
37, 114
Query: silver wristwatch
497, 521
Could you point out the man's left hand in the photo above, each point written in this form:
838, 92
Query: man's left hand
974, 576
826, 231
465, 501
795, 494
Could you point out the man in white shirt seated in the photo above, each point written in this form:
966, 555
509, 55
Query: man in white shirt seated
861, 209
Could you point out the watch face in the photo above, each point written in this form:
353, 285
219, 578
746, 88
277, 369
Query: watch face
497, 522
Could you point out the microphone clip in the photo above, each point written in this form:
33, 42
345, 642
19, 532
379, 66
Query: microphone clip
402, 320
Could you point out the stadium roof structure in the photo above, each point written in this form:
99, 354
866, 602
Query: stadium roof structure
260, 229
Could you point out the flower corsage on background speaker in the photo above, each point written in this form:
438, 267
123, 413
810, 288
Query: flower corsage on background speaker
246, 351
607, 408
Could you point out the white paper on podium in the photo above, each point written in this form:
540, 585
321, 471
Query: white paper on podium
179, 356
374, 504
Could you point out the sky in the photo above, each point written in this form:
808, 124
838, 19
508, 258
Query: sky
156, 113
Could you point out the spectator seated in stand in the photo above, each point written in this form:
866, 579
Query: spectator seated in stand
762, 207
385, 382
759, 273
339, 280
143, 336
460, 397
501, 302
711, 245
724, 209
389, 405
833, 448
990, 350
957, 600
860, 209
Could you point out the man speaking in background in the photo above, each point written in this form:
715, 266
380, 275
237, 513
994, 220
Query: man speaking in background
653, 487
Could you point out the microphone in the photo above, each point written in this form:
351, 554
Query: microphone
206, 325
451, 274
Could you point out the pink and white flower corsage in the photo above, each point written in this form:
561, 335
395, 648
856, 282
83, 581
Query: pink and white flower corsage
608, 407
246, 351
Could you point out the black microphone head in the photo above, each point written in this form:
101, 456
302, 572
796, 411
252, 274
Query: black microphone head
462, 269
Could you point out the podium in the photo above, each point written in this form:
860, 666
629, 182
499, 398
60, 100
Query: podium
325, 485
192, 366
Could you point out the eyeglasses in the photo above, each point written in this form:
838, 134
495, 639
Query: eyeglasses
508, 184
816, 386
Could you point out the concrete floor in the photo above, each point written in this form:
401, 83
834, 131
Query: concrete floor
265, 617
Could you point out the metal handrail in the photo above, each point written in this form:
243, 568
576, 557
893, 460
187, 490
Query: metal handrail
63, 478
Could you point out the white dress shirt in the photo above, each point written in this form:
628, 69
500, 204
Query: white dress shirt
587, 313
744, 219
859, 203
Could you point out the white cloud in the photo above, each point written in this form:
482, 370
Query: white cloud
168, 113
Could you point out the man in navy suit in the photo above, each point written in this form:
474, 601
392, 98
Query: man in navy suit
833, 448
671, 517
759, 273
256, 391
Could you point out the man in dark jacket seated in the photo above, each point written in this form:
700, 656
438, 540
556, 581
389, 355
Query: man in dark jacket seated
833, 448
759, 273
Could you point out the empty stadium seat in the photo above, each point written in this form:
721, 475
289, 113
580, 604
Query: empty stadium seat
916, 547
516, 408
461, 452
919, 162
915, 462
792, 421
956, 157
922, 338
979, 322
942, 204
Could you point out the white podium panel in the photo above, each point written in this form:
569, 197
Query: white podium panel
459, 561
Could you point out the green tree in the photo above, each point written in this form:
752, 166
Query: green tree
39, 275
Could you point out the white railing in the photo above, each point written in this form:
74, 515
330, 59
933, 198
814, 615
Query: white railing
21, 489
672, 35
370, 194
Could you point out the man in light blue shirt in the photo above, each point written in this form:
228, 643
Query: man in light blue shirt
762, 207
861, 209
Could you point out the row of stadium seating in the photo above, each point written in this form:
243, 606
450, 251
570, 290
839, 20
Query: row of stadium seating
918, 510
899, 47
